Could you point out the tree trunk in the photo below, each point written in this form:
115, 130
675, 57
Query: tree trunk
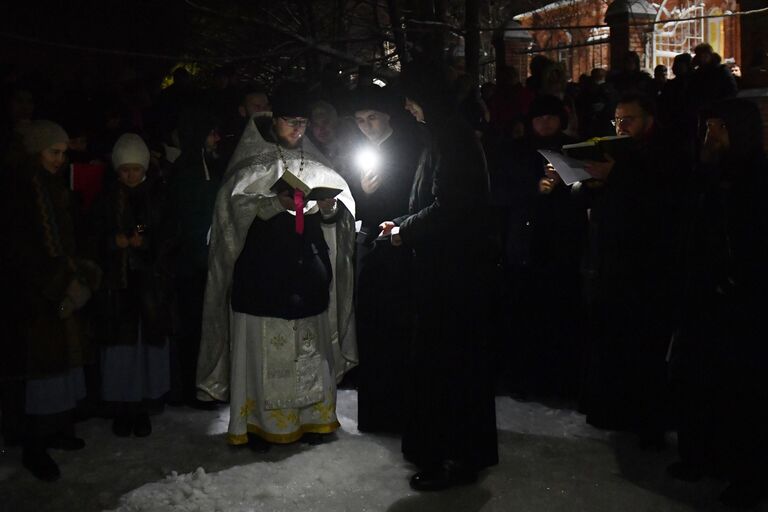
312, 57
432, 38
472, 40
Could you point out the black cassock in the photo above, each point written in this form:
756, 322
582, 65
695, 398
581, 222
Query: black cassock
450, 395
383, 294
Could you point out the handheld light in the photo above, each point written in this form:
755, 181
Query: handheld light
367, 160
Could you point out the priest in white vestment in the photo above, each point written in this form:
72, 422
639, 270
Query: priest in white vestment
278, 324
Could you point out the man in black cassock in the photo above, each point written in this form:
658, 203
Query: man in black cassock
381, 188
626, 274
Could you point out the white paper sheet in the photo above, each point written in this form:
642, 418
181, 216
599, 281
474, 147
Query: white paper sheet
569, 169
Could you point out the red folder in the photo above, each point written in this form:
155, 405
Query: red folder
87, 181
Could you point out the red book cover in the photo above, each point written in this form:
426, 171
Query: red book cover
87, 181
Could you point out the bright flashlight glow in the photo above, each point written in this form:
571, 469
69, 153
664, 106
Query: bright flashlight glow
367, 159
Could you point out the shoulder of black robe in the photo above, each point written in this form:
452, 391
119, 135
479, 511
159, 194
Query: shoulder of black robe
461, 189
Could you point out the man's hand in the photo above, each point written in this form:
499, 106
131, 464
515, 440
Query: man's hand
327, 205
286, 200
386, 228
370, 182
600, 170
121, 241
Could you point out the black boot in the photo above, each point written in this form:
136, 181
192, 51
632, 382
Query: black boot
39, 430
64, 442
122, 425
142, 426
65, 439
450, 474
36, 459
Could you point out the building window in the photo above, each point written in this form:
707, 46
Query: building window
598, 51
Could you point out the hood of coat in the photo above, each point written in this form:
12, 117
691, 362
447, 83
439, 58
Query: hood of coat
745, 133
194, 127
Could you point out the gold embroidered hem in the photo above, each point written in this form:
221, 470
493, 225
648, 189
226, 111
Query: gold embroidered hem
237, 439
283, 438
290, 394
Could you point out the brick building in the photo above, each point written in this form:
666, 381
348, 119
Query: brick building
592, 33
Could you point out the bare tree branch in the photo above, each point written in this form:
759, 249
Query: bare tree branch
309, 42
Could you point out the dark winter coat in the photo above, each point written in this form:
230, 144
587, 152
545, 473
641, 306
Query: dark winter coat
192, 193
40, 257
137, 287
708, 84
517, 168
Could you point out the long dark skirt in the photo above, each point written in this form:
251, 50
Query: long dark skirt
451, 403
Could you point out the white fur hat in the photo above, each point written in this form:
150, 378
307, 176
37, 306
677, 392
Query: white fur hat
130, 149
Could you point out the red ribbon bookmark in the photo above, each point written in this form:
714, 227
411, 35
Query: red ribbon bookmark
298, 203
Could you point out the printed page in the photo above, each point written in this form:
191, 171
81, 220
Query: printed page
570, 169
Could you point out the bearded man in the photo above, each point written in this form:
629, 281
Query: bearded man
718, 359
277, 320
627, 275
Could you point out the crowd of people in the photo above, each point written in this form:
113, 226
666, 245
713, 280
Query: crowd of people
260, 244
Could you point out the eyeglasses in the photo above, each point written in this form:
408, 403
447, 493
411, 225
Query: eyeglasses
295, 122
715, 125
618, 121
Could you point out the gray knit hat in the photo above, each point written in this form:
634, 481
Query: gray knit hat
130, 149
40, 135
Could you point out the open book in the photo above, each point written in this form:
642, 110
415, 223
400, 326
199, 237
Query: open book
570, 164
595, 149
289, 181
569, 169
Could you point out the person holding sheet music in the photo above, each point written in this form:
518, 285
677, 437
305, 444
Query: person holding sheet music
542, 230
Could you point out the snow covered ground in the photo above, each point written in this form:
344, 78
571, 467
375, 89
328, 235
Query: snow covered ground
550, 461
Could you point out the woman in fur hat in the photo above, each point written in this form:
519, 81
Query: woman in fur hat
49, 283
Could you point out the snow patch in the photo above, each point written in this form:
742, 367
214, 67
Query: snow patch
354, 473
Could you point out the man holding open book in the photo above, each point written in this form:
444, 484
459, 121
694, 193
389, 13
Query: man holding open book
277, 320
627, 268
